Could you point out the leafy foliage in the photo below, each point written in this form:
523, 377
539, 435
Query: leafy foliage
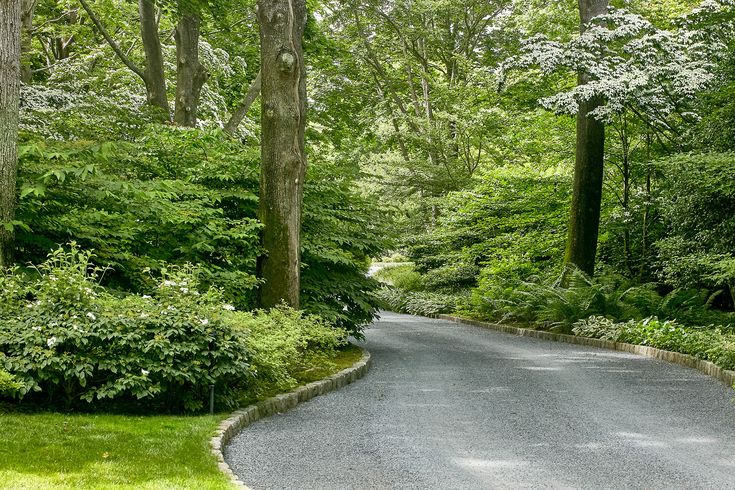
712, 344
284, 342
73, 342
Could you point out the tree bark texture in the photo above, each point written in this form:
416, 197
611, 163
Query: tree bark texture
190, 74
283, 160
244, 107
10, 34
155, 77
29, 8
584, 224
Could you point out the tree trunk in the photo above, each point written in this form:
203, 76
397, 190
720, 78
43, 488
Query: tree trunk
29, 8
584, 224
190, 74
155, 77
283, 160
10, 29
244, 107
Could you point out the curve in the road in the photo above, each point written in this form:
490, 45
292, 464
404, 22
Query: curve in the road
458, 407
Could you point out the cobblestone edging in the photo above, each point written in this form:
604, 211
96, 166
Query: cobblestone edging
708, 368
240, 419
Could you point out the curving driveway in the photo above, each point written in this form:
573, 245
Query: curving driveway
448, 406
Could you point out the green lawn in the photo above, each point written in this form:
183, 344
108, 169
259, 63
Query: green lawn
49, 450
58, 451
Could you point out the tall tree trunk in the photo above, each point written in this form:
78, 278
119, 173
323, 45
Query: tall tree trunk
283, 160
10, 29
190, 74
29, 8
155, 77
584, 224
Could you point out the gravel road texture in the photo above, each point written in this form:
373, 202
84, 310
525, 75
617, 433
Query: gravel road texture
449, 406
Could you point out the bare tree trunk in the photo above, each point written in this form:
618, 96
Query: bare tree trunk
10, 29
584, 224
244, 106
29, 8
155, 77
283, 159
190, 74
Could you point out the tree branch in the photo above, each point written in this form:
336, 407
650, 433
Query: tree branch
119, 52
244, 106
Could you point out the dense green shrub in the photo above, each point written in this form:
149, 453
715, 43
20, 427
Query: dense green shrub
283, 342
403, 277
173, 196
713, 344
551, 306
698, 206
69, 341
341, 231
416, 303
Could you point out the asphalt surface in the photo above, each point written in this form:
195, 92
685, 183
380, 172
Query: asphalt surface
459, 407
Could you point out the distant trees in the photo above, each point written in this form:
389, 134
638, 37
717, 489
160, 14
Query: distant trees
190, 73
10, 34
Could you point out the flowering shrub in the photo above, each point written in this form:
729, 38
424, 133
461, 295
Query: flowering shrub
66, 339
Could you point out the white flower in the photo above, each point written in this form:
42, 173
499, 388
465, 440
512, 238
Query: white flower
37, 328
184, 290
144, 372
169, 283
171, 308
91, 316
50, 342
145, 296
143, 315
204, 321
228, 307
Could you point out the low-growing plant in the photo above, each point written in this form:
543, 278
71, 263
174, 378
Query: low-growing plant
713, 343
416, 303
282, 343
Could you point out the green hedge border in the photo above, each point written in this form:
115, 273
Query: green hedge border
240, 419
706, 367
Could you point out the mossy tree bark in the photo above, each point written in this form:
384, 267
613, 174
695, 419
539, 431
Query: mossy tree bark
10, 34
190, 74
155, 76
283, 160
584, 224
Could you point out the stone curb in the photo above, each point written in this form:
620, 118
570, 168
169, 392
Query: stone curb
240, 419
708, 368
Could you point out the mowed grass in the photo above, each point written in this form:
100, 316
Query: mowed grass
58, 451
41, 451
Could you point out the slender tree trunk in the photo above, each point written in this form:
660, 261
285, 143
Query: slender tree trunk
29, 8
155, 77
10, 29
244, 107
283, 160
584, 224
190, 74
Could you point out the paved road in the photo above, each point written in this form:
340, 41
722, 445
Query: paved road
458, 407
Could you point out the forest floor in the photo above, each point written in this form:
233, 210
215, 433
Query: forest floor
455, 406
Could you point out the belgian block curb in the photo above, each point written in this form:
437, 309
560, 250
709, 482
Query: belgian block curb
708, 368
240, 419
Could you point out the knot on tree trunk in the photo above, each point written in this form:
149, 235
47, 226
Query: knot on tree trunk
286, 60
